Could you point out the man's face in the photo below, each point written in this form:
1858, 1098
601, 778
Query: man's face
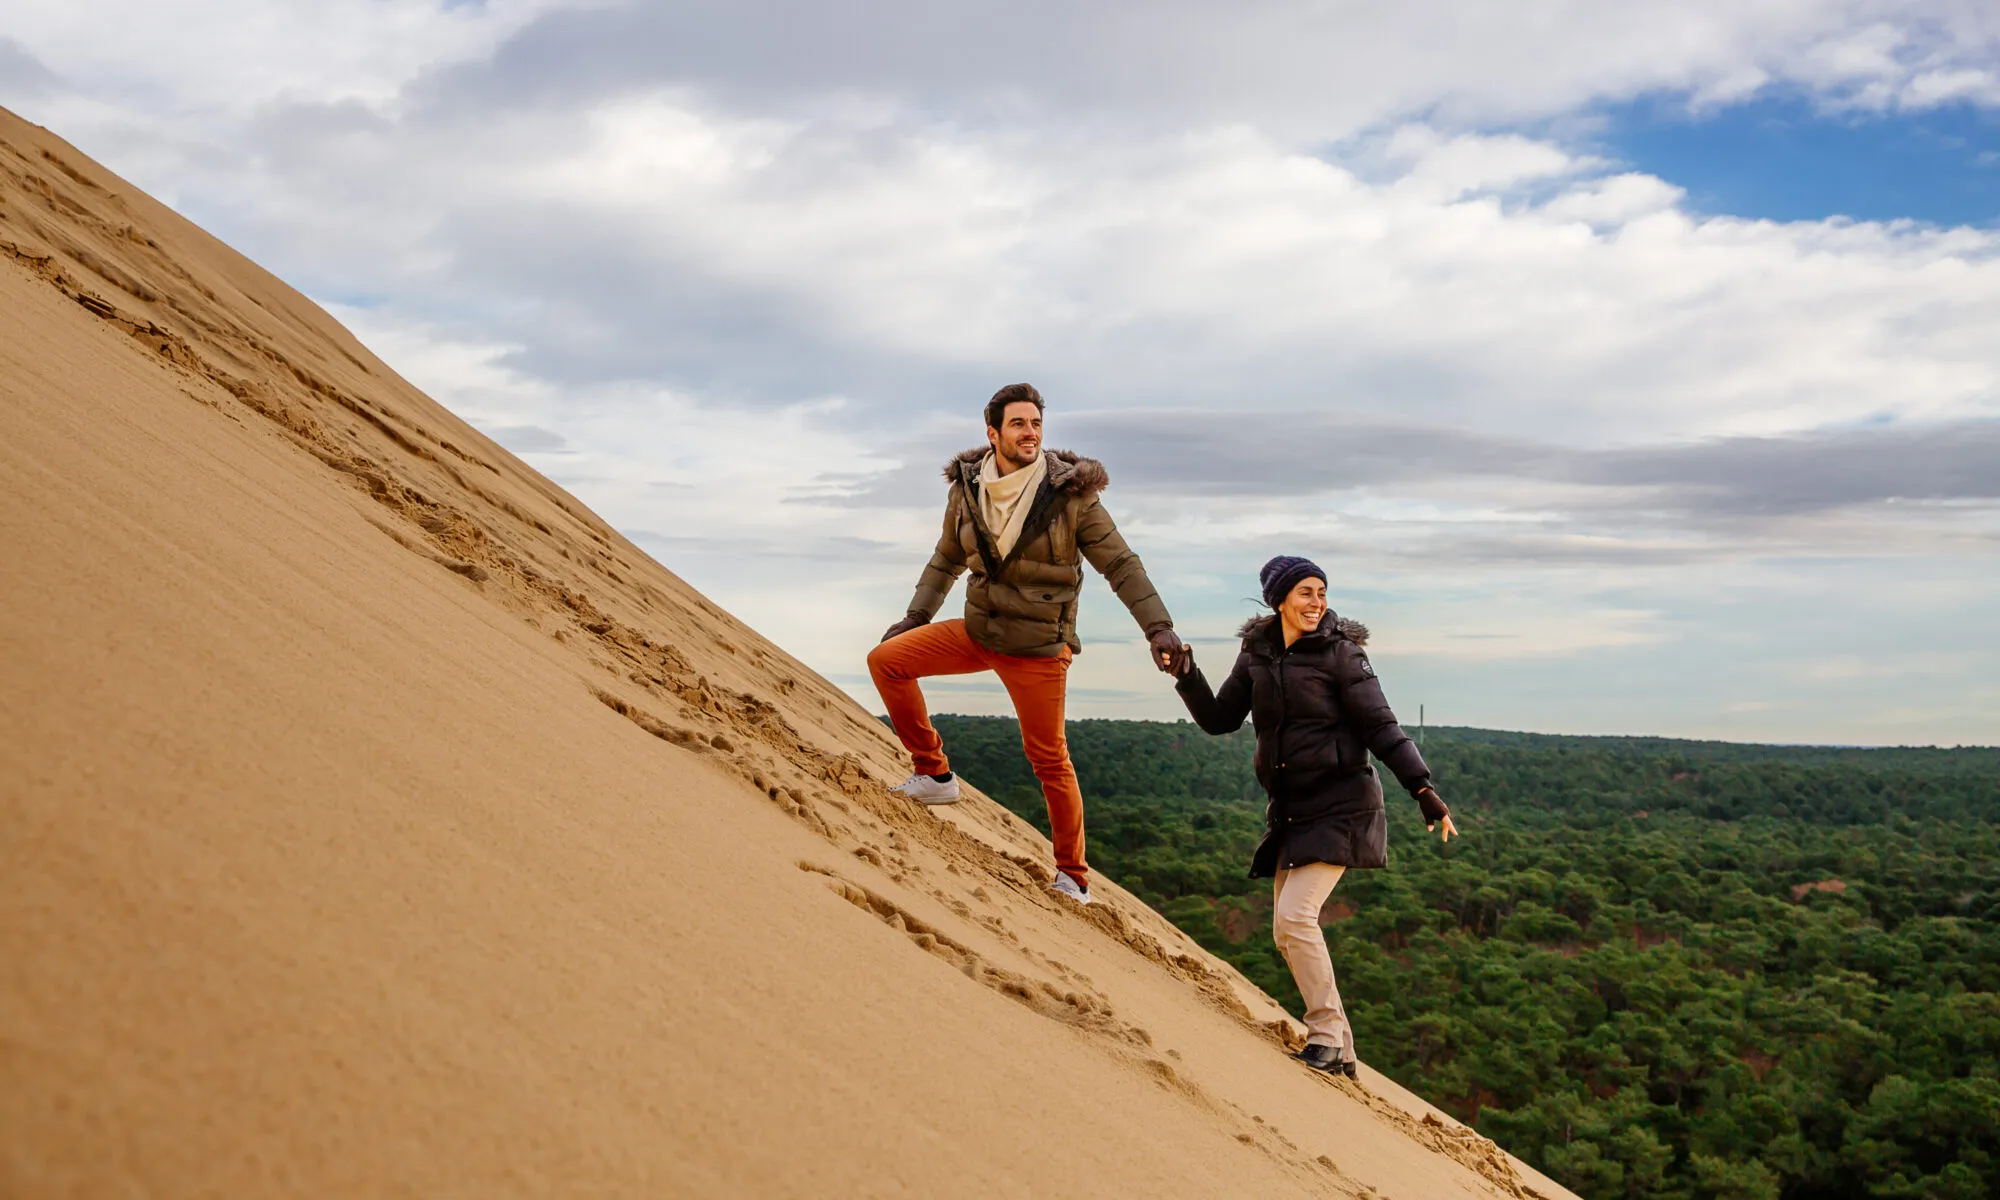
1019, 438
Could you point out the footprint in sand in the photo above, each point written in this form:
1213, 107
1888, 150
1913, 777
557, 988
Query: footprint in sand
1072, 1008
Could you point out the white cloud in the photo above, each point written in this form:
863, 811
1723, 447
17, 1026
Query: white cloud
1933, 88
1614, 200
232, 56
1190, 266
1443, 168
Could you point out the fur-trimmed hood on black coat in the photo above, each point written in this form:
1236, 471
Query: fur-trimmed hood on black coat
1258, 629
1319, 713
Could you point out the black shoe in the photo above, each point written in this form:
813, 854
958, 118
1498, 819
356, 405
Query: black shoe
1328, 1059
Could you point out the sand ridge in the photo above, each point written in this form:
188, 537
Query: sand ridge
433, 838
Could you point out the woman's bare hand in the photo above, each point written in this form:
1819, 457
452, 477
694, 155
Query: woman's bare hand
1450, 830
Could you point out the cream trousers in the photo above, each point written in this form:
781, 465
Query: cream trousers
1297, 896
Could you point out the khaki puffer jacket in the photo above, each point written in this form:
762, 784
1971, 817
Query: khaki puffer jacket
1026, 604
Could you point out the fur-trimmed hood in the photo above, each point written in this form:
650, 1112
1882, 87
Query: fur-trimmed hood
1068, 470
1256, 628
1025, 601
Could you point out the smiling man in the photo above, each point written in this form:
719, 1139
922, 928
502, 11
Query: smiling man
1022, 520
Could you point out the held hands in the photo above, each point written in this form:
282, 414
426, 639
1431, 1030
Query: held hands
910, 621
1170, 654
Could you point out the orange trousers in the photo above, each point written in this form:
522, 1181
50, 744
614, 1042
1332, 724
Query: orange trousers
1038, 687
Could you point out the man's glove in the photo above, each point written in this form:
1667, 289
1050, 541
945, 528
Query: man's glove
909, 622
1170, 654
1432, 804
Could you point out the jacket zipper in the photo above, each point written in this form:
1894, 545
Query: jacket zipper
1284, 715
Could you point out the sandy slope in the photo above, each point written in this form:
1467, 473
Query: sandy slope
376, 820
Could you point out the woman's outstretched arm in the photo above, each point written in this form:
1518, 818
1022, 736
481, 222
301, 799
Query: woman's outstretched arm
1222, 712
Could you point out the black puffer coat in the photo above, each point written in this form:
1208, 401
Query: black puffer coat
1319, 711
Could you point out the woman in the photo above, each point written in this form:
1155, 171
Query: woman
1305, 683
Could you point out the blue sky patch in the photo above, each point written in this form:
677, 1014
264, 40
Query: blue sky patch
1785, 159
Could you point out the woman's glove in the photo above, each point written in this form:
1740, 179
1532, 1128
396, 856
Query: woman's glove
910, 621
1432, 804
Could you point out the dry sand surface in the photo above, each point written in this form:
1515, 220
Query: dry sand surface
376, 820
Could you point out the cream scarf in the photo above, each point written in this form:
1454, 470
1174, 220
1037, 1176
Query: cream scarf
1004, 500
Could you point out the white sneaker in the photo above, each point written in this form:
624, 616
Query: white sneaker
925, 790
1065, 886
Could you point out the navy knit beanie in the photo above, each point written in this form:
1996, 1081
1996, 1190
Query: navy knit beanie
1283, 573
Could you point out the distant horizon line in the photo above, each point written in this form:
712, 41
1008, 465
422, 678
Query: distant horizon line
1595, 737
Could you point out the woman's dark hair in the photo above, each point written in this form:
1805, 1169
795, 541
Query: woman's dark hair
1013, 393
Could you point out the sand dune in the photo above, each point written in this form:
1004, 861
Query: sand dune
376, 820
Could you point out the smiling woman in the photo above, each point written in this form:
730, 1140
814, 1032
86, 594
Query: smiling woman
1319, 712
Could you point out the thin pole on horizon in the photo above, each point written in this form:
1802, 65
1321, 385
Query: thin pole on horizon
1420, 726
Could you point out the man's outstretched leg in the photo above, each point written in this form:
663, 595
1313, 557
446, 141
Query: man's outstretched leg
1039, 688
940, 649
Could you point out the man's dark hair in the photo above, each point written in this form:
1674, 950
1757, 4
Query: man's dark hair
1013, 393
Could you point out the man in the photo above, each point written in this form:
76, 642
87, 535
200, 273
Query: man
1021, 519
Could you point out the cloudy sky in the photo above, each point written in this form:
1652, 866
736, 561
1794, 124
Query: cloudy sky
1631, 368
